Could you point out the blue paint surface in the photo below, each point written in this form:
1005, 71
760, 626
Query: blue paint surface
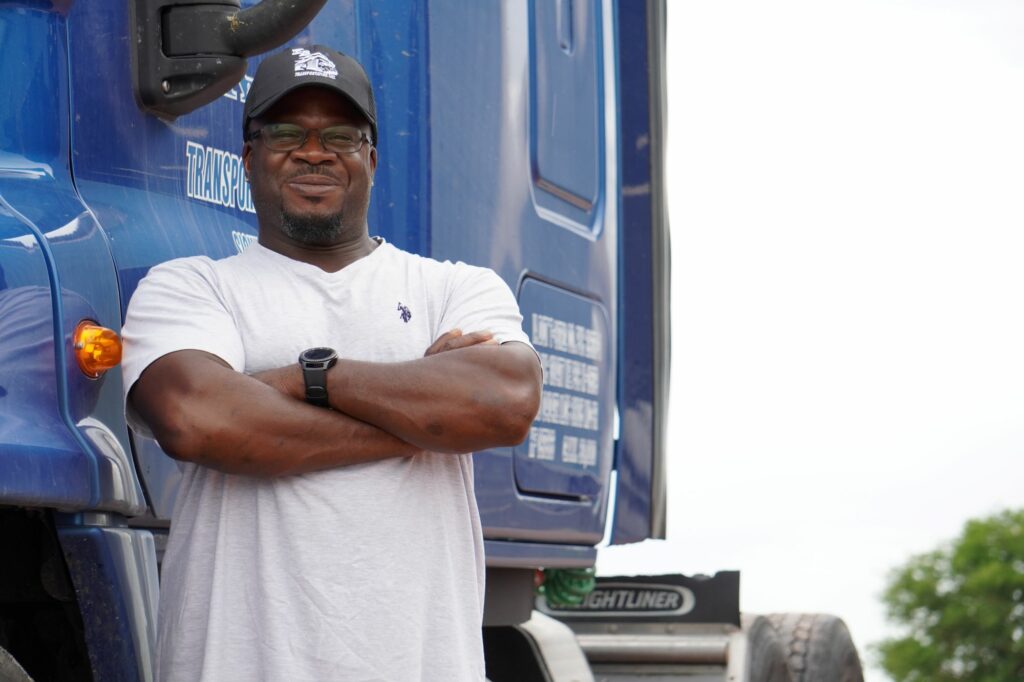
37, 193
566, 116
635, 449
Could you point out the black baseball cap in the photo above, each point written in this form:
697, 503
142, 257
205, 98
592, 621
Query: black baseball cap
299, 67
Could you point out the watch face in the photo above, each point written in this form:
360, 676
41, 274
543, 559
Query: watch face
318, 354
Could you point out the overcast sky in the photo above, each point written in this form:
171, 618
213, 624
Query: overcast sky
847, 206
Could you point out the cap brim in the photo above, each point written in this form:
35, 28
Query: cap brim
261, 108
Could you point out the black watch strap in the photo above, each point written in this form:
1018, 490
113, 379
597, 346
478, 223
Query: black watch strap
314, 363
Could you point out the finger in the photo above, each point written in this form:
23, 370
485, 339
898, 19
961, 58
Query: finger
474, 338
438, 345
466, 340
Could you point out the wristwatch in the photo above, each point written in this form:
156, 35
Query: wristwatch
314, 363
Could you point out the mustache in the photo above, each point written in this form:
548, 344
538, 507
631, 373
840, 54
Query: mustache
310, 169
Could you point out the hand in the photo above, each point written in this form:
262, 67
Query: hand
455, 339
288, 381
284, 380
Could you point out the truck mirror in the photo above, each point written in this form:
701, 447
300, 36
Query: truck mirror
186, 55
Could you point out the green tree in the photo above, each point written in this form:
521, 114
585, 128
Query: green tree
961, 608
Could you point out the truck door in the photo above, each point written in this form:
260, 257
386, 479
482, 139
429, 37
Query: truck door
524, 180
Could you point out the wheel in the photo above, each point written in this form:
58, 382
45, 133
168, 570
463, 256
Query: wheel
765, 651
10, 671
818, 647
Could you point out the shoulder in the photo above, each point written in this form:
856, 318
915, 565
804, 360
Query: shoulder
453, 272
179, 273
183, 267
450, 284
194, 270
400, 257
463, 276
421, 271
185, 283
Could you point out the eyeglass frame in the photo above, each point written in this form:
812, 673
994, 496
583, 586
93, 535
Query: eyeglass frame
363, 137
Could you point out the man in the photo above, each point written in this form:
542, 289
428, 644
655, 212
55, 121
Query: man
326, 526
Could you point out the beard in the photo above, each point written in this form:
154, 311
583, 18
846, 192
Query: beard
312, 230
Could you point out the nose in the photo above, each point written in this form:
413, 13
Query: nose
312, 151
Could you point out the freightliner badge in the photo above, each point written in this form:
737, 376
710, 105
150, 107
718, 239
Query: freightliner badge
668, 598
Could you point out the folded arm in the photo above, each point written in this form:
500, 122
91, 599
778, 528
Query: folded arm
203, 411
466, 394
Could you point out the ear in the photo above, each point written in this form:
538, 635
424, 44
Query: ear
246, 157
373, 162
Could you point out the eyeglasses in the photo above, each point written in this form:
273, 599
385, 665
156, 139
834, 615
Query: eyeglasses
287, 137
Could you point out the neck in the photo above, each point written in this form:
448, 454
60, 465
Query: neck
329, 257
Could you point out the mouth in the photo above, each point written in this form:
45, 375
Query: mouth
313, 185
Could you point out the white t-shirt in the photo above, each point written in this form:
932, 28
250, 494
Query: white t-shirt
365, 572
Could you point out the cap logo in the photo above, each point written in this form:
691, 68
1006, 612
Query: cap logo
313, 64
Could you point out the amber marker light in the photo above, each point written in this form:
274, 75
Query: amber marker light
97, 348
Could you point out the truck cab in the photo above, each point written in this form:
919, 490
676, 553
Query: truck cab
525, 137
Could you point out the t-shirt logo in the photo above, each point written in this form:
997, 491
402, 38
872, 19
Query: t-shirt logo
313, 64
404, 312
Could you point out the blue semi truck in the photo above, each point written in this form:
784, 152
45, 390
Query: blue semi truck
522, 135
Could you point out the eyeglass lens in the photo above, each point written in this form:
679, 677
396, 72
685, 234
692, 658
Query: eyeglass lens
284, 137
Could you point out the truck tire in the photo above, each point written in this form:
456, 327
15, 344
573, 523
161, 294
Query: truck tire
818, 647
10, 670
766, 652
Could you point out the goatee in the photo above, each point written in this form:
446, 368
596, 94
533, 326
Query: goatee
311, 229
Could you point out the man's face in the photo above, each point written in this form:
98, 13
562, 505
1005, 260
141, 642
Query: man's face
311, 195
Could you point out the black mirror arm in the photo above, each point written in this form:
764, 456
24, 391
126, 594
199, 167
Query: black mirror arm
187, 55
260, 28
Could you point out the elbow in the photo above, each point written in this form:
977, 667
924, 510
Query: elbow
518, 432
200, 437
181, 431
189, 437
523, 406
175, 436
167, 415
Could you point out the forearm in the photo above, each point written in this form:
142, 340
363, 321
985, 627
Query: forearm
291, 438
454, 400
238, 424
458, 401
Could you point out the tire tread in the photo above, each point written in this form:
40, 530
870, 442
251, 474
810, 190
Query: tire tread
818, 647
